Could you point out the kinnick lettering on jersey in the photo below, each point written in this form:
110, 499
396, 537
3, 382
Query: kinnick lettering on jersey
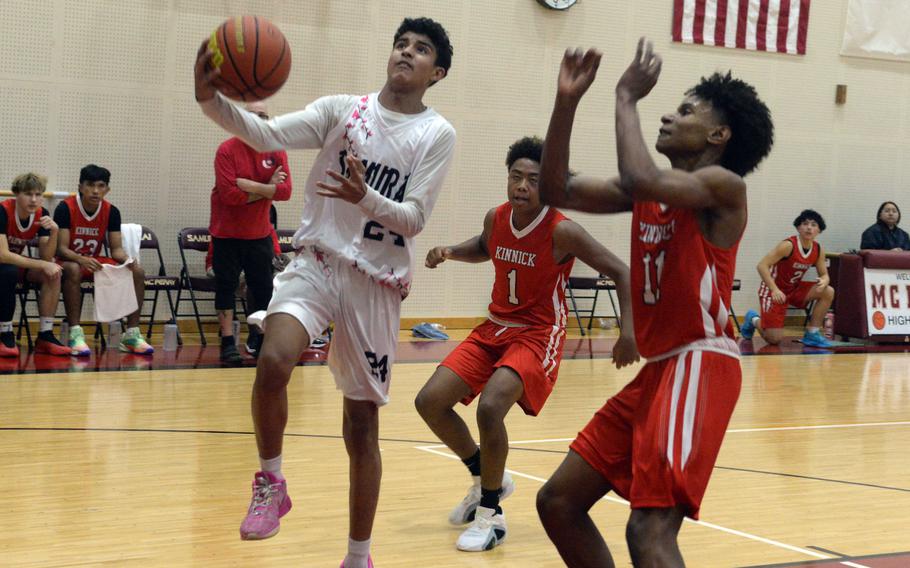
802, 266
382, 178
515, 256
653, 234
88, 231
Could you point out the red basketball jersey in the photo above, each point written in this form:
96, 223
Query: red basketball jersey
681, 283
789, 271
530, 287
17, 236
87, 232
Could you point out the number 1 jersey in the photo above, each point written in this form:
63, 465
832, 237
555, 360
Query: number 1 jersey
530, 287
681, 283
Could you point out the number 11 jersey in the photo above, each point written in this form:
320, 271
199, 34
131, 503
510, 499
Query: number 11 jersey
681, 283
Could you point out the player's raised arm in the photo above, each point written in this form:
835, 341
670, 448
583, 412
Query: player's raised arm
719, 133
472, 250
557, 186
640, 177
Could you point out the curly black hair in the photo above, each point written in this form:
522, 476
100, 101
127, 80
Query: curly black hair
747, 116
529, 147
437, 34
810, 215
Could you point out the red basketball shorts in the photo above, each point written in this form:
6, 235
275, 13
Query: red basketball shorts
656, 441
534, 352
773, 315
88, 274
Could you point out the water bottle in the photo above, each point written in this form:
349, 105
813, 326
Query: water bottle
170, 337
236, 331
64, 332
114, 329
829, 325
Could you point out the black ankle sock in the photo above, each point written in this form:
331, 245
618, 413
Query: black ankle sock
8, 338
48, 335
489, 498
473, 463
227, 340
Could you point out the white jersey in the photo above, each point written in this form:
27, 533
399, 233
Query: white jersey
406, 158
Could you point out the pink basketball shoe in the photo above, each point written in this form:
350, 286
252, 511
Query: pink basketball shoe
369, 562
270, 503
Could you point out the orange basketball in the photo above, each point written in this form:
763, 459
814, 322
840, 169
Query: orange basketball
878, 320
253, 56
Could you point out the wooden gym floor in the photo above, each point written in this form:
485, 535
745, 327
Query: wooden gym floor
152, 468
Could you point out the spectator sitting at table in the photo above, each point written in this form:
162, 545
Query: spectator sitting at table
885, 234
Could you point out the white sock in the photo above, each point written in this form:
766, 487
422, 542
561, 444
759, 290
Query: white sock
132, 331
272, 466
755, 321
811, 330
45, 324
358, 552
6, 326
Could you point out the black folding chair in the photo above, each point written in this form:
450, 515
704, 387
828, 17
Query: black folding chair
737, 284
200, 288
27, 293
590, 287
157, 283
286, 240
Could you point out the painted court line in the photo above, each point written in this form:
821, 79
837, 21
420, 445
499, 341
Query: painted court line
736, 431
433, 450
819, 427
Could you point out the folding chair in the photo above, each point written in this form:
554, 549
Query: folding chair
286, 240
157, 283
24, 291
28, 294
197, 239
737, 284
591, 286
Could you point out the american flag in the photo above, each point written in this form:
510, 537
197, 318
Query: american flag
760, 25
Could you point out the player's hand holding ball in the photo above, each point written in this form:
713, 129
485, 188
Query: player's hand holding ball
247, 58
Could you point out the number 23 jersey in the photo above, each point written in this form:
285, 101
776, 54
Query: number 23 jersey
88, 232
681, 283
789, 271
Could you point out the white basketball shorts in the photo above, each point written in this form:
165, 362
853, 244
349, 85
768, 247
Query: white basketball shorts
318, 287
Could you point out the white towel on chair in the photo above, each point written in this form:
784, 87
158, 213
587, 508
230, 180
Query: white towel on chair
131, 233
115, 295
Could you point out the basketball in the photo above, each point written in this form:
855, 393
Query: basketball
253, 56
878, 320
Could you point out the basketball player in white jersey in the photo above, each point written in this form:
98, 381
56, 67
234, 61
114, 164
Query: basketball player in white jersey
373, 185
